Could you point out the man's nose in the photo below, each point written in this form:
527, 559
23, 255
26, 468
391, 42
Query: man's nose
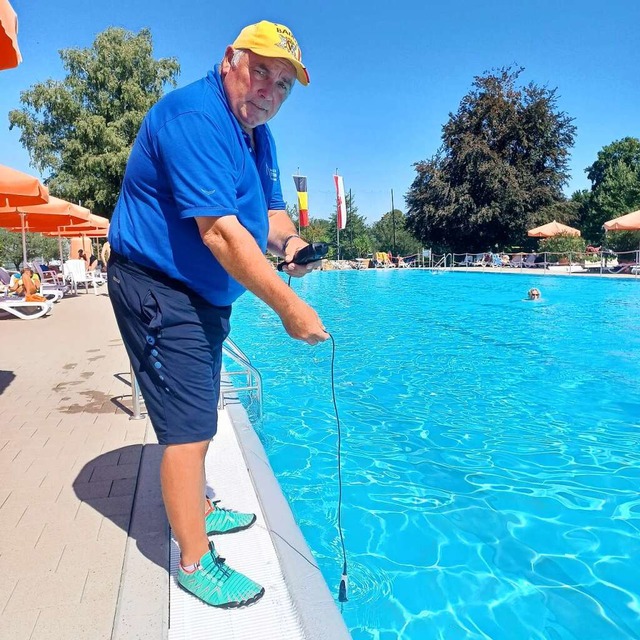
266, 90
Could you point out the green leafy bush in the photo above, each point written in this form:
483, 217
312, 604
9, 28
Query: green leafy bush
561, 246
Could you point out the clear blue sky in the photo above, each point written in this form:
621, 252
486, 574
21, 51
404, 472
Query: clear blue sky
384, 75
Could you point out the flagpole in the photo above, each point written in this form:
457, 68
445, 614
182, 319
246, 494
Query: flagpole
337, 224
297, 174
393, 220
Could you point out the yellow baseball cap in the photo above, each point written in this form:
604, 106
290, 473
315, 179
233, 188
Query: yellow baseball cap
273, 41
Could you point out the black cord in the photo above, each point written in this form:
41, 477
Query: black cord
342, 590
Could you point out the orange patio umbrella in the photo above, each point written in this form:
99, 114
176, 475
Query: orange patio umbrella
77, 232
94, 227
552, 229
44, 217
18, 188
629, 222
9, 52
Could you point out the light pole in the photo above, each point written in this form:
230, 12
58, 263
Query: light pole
393, 223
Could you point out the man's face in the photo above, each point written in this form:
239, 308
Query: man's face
256, 87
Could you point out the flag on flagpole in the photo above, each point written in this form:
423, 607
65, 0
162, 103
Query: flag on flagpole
303, 202
341, 208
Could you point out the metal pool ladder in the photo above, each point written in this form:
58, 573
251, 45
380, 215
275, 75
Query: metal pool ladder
253, 377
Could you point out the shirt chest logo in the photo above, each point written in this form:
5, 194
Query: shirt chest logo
272, 174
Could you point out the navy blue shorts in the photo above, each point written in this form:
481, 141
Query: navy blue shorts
174, 340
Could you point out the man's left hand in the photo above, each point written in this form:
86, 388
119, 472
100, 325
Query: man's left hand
298, 270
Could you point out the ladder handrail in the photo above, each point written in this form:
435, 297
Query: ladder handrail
233, 351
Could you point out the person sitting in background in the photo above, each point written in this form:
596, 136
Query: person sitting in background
26, 283
534, 294
94, 264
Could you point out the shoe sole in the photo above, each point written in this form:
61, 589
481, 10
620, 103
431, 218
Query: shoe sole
234, 530
226, 605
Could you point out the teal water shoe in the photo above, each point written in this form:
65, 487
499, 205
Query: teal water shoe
217, 584
220, 520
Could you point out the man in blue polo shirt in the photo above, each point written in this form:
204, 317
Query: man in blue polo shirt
200, 203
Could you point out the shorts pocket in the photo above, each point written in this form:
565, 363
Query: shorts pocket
151, 312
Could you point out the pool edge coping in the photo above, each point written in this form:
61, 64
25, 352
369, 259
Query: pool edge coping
315, 606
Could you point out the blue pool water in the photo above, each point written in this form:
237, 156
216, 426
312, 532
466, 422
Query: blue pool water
491, 450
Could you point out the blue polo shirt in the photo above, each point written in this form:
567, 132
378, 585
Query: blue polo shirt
191, 158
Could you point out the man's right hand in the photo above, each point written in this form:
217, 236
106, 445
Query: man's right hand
301, 322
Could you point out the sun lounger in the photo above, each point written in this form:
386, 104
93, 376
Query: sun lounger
52, 284
24, 310
75, 271
530, 260
467, 261
482, 260
381, 260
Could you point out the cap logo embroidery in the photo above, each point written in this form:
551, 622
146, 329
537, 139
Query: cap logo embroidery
290, 45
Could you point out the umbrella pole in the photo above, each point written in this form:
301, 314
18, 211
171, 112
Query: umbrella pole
60, 247
24, 239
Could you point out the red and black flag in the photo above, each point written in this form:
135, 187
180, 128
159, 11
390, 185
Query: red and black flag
303, 203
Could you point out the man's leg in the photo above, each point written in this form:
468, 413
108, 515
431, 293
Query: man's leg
182, 477
172, 338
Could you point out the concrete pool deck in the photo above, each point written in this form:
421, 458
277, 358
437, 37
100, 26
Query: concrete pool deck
85, 549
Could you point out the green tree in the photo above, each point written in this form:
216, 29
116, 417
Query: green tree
80, 130
504, 157
615, 190
10, 248
317, 231
561, 246
389, 234
355, 239
38, 246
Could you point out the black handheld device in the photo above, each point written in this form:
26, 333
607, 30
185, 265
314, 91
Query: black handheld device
310, 253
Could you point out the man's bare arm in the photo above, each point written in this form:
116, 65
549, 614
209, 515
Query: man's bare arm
236, 250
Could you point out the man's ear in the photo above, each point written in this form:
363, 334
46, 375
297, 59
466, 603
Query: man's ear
225, 65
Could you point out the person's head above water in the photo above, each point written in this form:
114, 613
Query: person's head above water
534, 294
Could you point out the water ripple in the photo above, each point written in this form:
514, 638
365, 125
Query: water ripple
491, 450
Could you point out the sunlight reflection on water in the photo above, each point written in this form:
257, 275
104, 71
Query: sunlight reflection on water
491, 450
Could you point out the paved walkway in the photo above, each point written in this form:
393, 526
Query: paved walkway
69, 458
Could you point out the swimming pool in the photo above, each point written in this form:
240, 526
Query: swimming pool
491, 449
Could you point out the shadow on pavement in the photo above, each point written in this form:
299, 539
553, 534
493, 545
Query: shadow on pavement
124, 486
6, 378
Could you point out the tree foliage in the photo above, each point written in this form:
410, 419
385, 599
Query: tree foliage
80, 130
504, 157
615, 188
317, 230
561, 245
389, 234
38, 246
355, 239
